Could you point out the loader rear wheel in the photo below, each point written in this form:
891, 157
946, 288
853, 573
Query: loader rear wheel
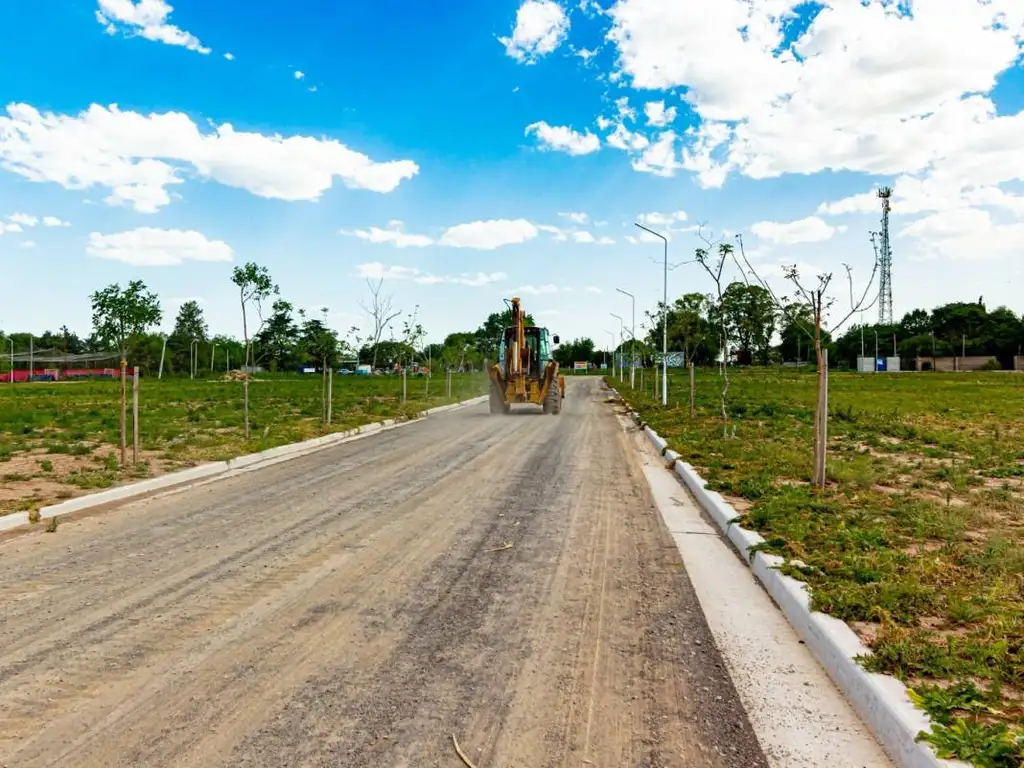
553, 401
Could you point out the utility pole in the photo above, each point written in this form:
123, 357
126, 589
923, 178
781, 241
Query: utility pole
632, 333
613, 351
664, 320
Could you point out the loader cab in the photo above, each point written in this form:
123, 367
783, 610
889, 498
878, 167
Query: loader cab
538, 350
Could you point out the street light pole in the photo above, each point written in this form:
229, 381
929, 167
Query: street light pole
664, 321
613, 351
632, 367
622, 333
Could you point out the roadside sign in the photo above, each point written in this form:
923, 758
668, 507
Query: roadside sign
580, 366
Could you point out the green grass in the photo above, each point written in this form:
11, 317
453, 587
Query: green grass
917, 541
59, 440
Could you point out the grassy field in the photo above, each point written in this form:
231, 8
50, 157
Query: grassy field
918, 540
59, 440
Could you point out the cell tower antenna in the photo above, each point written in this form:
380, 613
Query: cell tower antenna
884, 255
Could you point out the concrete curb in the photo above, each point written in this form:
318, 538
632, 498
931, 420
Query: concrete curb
212, 469
880, 700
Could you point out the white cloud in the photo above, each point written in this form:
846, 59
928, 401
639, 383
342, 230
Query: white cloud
592, 289
53, 221
137, 157
299, 75
479, 235
869, 86
965, 234
148, 19
809, 230
576, 218
24, 219
488, 235
375, 270
29, 244
535, 290
393, 234
229, 56
656, 219
557, 233
10, 228
658, 116
588, 239
541, 26
149, 247
561, 138
660, 157
626, 140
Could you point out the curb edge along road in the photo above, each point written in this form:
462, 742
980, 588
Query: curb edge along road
880, 700
184, 478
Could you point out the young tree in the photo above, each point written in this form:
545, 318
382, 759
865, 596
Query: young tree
381, 315
713, 258
254, 287
118, 316
820, 304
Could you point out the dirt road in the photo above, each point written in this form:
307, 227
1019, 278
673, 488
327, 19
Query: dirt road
505, 579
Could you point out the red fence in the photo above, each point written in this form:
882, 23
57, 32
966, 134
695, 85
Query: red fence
55, 374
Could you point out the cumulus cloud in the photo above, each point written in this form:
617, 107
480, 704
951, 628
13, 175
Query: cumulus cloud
138, 157
535, 290
655, 219
53, 221
541, 26
375, 270
869, 87
809, 230
479, 235
148, 19
561, 138
393, 234
488, 235
658, 115
576, 218
149, 247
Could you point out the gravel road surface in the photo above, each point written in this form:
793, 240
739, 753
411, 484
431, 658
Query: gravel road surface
506, 579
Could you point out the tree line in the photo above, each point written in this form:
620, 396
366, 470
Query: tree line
277, 335
759, 333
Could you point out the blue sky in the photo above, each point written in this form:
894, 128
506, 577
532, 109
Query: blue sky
479, 127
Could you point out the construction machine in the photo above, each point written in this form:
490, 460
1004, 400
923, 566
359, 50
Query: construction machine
526, 371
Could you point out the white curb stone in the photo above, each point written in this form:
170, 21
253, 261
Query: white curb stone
880, 700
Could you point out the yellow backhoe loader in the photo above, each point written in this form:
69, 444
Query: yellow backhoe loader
526, 371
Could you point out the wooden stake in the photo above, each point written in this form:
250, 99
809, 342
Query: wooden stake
330, 394
135, 415
693, 391
124, 410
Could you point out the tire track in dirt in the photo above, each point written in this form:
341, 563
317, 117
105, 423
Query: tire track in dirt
359, 605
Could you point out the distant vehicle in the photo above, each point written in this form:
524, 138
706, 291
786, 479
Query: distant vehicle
363, 370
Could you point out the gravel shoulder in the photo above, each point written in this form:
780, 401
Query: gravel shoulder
504, 579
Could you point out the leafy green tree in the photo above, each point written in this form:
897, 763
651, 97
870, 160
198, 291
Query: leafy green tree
751, 318
254, 287
118, 316
577, 350
488, 335
277, 342
189, 326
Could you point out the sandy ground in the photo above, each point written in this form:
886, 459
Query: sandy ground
506, 579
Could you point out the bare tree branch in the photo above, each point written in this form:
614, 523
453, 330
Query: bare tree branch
380, 312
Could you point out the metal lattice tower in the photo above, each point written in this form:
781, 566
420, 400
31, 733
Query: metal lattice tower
885, 263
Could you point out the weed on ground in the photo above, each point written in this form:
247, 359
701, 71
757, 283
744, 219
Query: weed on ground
917, 541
